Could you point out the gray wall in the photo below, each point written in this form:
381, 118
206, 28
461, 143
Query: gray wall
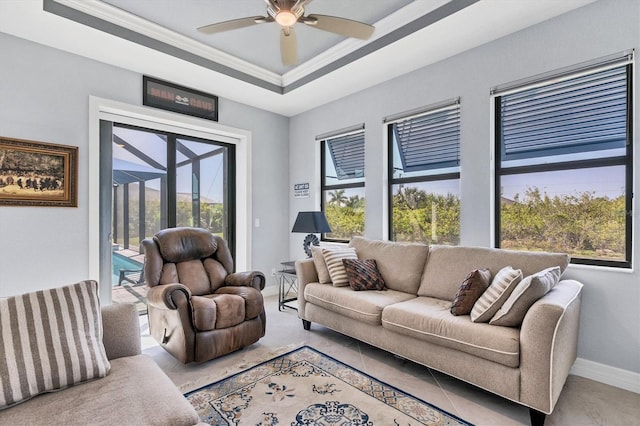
610, 315
45, 97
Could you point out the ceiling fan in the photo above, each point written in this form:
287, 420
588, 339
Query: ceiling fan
287, 13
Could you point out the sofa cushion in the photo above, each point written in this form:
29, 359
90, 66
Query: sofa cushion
50, 339
400, 264
428, 319
136, 391
530, 289
470, 291
364, 306
333, 257
494, 297
448, 265
363, 274
320, 264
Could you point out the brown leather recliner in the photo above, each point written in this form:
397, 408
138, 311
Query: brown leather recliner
199, 309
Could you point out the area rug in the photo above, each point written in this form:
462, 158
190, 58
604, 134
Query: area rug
307, 387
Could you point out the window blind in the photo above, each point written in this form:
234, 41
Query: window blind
429, 141
347, 153
580, 114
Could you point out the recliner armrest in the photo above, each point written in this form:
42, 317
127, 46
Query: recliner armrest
255, 279
161, 296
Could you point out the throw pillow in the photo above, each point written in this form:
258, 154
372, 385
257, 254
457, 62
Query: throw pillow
337, 271
320, 264
524, 295
49, 340
470, 291
363, 274
492, 299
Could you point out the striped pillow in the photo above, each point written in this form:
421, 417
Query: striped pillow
49, 340
492, 299
333, 259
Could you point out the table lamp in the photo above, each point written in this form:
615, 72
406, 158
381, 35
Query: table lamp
313, 223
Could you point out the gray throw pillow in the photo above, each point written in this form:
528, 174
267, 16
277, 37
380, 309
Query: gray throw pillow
530, 289
320, 264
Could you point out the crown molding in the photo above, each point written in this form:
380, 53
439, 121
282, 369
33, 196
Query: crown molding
122, 18
383, 27
114, 15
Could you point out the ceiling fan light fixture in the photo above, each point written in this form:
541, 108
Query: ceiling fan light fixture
286, 18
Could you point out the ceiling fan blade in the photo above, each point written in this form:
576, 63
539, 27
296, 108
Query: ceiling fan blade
288, 46
233, 24
343, 26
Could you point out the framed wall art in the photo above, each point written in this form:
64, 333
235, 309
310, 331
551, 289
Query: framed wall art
38, 174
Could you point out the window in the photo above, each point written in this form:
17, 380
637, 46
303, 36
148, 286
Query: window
342, 159
424, 175
564, 165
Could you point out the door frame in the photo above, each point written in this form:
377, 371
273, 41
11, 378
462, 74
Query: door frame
101, 109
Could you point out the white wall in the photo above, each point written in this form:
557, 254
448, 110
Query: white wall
609, 332
45, 97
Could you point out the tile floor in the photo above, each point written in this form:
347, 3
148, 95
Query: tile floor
583, 402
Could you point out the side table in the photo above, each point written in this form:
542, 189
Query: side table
288, 285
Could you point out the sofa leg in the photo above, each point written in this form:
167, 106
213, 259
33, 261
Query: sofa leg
306, 324
537, 417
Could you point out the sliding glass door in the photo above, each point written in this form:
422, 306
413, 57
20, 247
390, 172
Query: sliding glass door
163, 180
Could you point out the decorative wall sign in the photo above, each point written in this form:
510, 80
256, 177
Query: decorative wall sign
301, 190
38, 174
169, 96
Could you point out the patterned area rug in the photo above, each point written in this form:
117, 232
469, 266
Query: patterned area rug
307, 387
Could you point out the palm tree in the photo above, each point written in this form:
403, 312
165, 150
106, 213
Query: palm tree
353, 202
337, 198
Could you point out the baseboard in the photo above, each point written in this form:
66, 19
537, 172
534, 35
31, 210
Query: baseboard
623, 379
270, 290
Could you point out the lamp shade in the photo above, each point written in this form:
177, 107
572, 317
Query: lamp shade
311, 222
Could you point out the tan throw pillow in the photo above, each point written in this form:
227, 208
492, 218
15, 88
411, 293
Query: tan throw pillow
337, 271
363, 274
470, 291
524, 295
51, 339
492, 299
320, 264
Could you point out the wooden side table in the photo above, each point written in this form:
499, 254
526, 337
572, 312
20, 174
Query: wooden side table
288, 285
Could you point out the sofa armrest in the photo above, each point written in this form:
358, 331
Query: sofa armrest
305, 273
255, 279
549, 345
161, 296
121, 330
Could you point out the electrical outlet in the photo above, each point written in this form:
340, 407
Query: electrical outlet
273, 272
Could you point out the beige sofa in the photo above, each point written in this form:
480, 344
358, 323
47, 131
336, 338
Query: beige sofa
411, 318
135, 392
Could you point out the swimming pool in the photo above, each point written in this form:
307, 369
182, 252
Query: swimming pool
118, 262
